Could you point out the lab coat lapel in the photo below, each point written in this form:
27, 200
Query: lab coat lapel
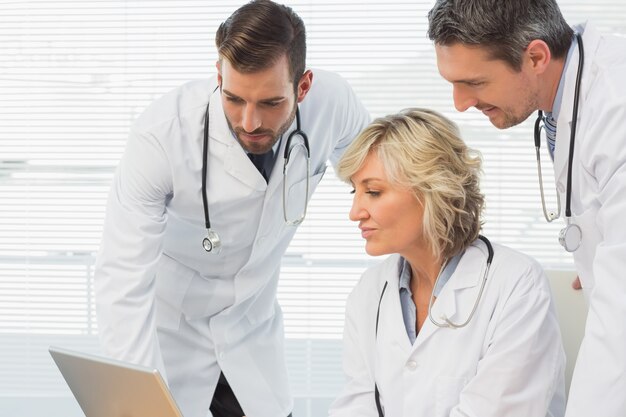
458, 296
564, 123
276, 177
269, 224
391, 331
236, 160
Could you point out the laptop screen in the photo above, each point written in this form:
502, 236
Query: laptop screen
108, 388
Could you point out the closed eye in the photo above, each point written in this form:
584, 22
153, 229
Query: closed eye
235, 100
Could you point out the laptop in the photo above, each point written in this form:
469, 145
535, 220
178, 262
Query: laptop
108, 388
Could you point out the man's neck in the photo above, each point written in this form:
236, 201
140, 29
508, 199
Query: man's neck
551, 84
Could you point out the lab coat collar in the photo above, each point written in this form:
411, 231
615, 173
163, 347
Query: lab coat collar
236, 160
459, 294
390, 318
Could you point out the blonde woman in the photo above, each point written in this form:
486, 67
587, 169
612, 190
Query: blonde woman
449, 324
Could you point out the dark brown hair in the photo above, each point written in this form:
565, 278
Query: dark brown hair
258, 34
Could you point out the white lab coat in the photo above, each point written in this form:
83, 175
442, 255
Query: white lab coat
598, 206
508, 361
163, 301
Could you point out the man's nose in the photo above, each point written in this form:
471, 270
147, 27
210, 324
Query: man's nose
463, 98
251, 119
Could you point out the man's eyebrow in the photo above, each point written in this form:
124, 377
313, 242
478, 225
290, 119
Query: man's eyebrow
277, 98
474, 80
265, 100
225, 91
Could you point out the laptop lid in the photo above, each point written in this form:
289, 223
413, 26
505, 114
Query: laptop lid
108, 388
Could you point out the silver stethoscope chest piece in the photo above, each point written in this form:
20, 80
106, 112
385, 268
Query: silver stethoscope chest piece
212, 243
570, 237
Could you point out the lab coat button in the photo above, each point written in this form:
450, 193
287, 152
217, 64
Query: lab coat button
560, 187
221, 355
411, 365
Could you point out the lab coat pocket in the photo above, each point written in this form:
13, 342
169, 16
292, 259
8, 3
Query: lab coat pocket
296, 194
448, 393
171, 283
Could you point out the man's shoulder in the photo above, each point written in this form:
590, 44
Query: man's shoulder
329, 86
323, 78
188, 98
331, 96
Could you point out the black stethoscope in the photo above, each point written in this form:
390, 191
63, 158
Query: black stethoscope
570, 237
447, 323
212, 242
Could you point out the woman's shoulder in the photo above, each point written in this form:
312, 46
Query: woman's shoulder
374, 278
517, 270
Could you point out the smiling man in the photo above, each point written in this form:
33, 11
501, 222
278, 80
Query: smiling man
195, 228
511, 58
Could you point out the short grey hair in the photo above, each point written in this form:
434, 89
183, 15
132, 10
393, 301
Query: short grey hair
421, 150
504, 27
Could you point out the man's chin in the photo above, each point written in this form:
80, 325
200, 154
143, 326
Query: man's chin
500, 125
256, 147
504, 122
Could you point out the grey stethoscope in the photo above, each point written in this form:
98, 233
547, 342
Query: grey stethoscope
212, 242
571, 235
447, 323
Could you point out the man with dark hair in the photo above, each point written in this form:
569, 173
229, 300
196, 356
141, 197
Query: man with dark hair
512, 58
203, 206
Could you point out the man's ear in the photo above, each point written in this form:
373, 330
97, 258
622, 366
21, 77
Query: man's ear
538, 55
218, 65
304, 85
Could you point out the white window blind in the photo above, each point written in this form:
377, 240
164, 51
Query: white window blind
75, 74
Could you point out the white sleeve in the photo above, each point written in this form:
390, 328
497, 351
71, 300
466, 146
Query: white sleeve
357, 396
130, 249
523, 366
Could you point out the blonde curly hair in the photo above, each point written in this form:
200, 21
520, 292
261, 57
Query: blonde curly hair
421, 150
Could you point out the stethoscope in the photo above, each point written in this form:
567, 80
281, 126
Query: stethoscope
447, 323
212, 242
570, 237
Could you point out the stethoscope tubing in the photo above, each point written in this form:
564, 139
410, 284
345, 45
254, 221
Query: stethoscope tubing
212, 242
570, 236
490, 254
448, 323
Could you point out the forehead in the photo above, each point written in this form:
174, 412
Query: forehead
460, 62
371, 169
268, 82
